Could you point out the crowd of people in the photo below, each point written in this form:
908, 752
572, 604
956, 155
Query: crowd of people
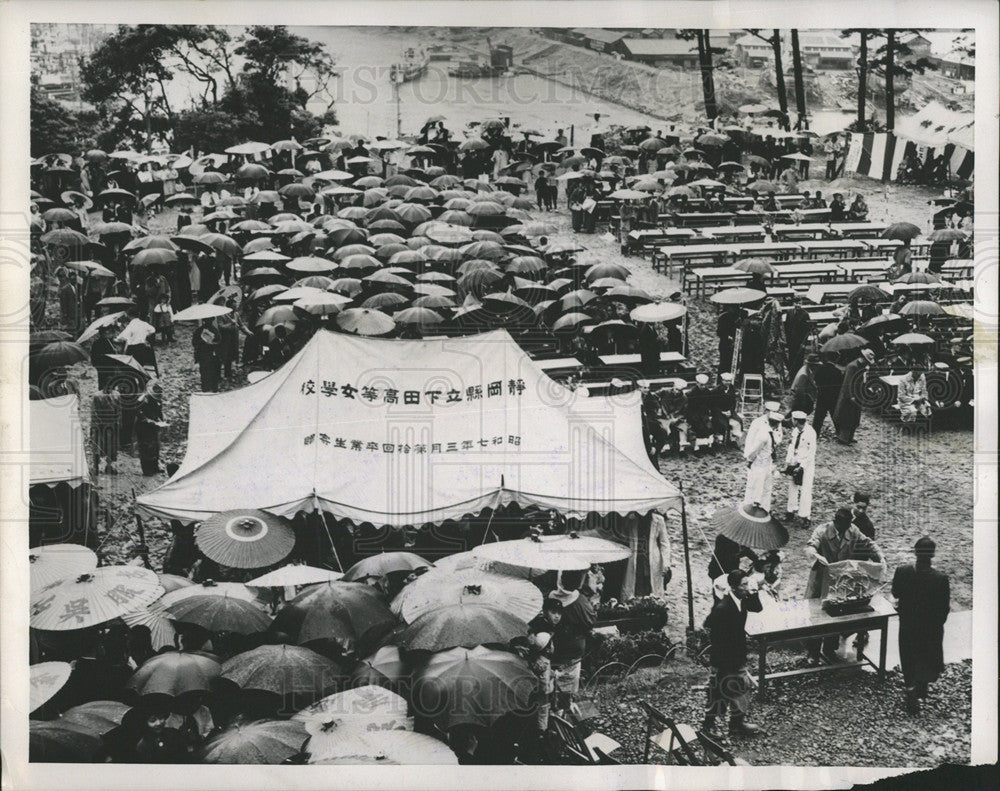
432, 238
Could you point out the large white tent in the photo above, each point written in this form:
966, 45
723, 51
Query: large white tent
395, 432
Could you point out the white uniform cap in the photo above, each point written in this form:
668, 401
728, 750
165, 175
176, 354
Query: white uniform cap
775, 416
701, 379
799, 415
726, 377
771, 406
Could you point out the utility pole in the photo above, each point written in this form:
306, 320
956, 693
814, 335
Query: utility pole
397, 78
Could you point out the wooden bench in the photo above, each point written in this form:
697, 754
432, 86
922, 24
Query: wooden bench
707, 277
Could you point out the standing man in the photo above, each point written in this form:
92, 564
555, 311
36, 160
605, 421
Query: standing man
728, 683
759, 451
800, 466
148, 419
830, 150
797, 327
136, 337
68, 300
829, 380
99, 351
570, 638
105, 417
727, 424
859, 515
924, 599
847, 414
206, 345
830, 543
729, 320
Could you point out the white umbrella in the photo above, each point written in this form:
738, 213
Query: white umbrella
248, 148
563, 552
93, 598
201, 312
441, 588
657, 311
54, 562
46, 679
362, 708
294, 574
379, 747
155, 618
96, 325
468, 560
234, 590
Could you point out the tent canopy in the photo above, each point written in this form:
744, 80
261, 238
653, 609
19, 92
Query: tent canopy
58, 448
396, 432
936, 125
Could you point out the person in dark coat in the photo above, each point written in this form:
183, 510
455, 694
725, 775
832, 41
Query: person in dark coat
99, 351
729, 683
649, 349
847, 414
729, 320
829, 380
726, 557
206, 344
859, 515
924, 599
797, 328
148, 417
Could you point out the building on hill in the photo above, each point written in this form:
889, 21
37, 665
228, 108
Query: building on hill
825, 51
752, 52
662, 51
600, 40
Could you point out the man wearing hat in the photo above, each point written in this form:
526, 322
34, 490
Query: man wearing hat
759, 450
800, 466
924, 599
847, 414
728, 684
830, 543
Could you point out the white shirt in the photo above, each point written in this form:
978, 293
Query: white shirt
136, 332
805, 454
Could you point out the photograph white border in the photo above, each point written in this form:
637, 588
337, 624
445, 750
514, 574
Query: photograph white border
15, 17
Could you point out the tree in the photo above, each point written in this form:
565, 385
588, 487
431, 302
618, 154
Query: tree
893, 59
862, 71
54, 128
779, 72
259, 83
213, 129
705, 66
800, 92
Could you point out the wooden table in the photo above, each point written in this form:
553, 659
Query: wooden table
886, 246
717, 274
811, 230
812, 272
959, 266
735, 233
635, 359
859, 230
703, 218
805, 619
558, 362
769, 249
855, 270
834, 248
820, 291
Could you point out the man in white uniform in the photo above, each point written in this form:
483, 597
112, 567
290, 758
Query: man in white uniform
800, 465
759, 452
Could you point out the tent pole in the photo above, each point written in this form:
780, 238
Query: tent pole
329, 536
489, 523
687, 558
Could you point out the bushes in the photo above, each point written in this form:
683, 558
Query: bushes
625, 649
635, 615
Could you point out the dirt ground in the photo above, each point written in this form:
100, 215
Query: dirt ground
919, 484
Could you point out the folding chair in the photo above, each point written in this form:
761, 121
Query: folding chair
674, 738
604, 759
716, 754
570, 741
